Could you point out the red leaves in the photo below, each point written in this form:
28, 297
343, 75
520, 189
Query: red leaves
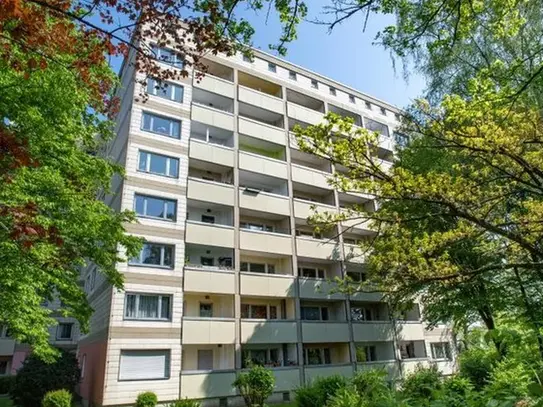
13, 152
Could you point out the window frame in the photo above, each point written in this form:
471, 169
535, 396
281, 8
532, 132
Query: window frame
272, 67
332, 91
158, 53
321, 310
162, 246
324, 356
268, 311
58, 335
152, 116
165, 202
167, 370
314, 84
267, 267
153, 89
316, 270
292, 75
159, 306
445, 348
352, 99
205, 304
148, 158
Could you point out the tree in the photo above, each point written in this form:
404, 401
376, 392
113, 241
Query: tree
51, 222
255, 386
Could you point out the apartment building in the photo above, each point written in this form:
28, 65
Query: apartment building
231, 272
64, 335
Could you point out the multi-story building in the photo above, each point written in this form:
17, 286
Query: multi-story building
64, 335
231, 272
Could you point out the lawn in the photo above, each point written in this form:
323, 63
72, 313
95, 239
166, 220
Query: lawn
5, 402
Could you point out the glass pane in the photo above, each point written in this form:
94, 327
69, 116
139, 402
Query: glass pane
374, 125
168, 256
176, 129
244, 311
274, 356
130, 311
170, 210
174, 167
208, 219
142, 166
158, 164
258, 268
244, 266
311, 313
161, 125
177, 93
148, 306
165, 310
253, 226
321, 273
324, 314
258, 311
207, 261
327, 359
151, 86
309, 273
271, 269
314, 357
206, 310
357, 314
225, 261
146, 121
140, 204
259, 356
155, 207
273, 312
151, 254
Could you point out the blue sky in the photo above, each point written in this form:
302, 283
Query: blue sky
346, 55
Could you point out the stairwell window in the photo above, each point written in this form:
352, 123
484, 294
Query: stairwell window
158, 164
168, 56
152, 207
164, 126
165, 90
148, 307
155, 255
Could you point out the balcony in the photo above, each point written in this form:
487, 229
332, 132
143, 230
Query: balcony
260, 85
267, 285
323, 249
390, 366
325, 331
200, 279
268, 331
264, 201
215, 84
411, 330
409, 366
254, 183
446, 367
208, 331
346, 113
318, 289
314, 372
209, 234
211, 191
373, 331
301, 100
260, 99
261, 124
201, 385
303, 209
286, 378
304, 114
212, 117
310, 176
214, 153
261, 164
265, 242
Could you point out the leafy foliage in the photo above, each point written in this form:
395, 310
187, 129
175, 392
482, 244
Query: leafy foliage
146, 399
36, 378
255, 386
420, 386
185, 403
320, 391
57, 398
5, 384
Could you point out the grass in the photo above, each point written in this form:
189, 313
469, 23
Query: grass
291, 404
5, 402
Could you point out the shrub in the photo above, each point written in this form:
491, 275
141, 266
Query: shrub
372, 384
320, 391
36, 377
476, 365
6, 382
57, 398
185, 403
347, 397
255, 386
146, 399
421, 385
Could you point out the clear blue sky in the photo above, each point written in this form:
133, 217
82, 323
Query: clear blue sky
346, 55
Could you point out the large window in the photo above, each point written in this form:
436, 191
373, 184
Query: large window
311, 272
155, 254
359, 314
317, 356
64, 331
144, 365
257, 267
161, 125
158, 164
256, 226
376, 126
261, 357
251, 311
315, 313
155, 207
148, 306
165, 90
441, 350
168, 56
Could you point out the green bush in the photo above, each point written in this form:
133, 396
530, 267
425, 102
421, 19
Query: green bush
420, 386
372, 384
6, 382
185, 403
476, 365
35, 378
347, 397
146, 399
255, 386
57, 398
320, 391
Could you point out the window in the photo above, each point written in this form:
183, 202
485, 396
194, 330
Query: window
401, 139
256, 226
272, 67
368, 105
309, 233
352, 99
155, 254
260, 357
376, 126
208, 219
64, 331
317, 356
165, 90
144, 365
441, 350
407, 350
356, 276
251, 311
286, 396
3, 367
359, 314
161, 125
225, 262
158, 164
206, 310
152, 207
366, 354
314, 313
397, 117
4, 331
168, 56
247, 58
383, 111
314, 84
207, 261
311, 272
147, 306
292, 75
92, 281
257, 267
205, 359
332, 91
